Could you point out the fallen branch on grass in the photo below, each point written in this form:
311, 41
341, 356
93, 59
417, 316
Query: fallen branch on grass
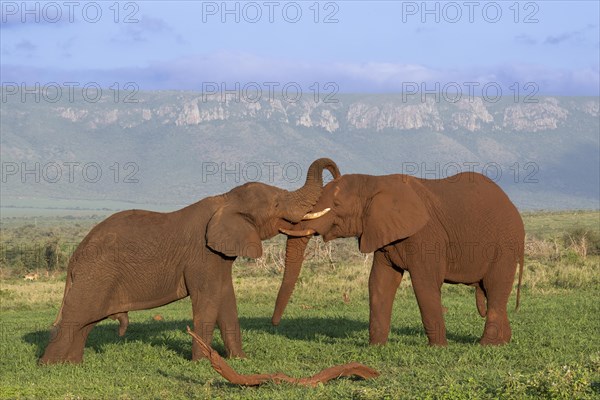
219, 365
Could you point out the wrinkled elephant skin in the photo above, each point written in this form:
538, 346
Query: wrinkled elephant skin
462, 229
139, 259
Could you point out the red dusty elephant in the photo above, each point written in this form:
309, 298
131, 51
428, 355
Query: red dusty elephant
138, 259
462, 229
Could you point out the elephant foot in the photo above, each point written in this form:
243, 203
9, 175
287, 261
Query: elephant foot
377, 342
493, 341
489, 342
57, 354
496, 333
438, 343
236, 354
50, 360
436, 334
197, 356
378, 336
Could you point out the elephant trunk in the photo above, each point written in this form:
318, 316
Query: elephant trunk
302, 200
300, 203
294, 256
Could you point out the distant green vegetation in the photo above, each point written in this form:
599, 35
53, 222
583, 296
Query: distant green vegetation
45, 243
70, 209
545, 225
555, 351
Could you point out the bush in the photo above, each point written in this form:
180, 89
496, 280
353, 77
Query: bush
584, 242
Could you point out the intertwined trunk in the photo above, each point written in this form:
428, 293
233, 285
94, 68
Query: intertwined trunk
294, 256
301, 201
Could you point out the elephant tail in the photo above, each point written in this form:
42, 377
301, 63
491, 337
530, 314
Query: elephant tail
68, 284
521, 262
123, 321
480, 300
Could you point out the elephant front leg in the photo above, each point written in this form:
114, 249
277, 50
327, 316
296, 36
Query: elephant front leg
228, 321
429, 297
82, 309
67, 341
205, 315
206, 295
383, 284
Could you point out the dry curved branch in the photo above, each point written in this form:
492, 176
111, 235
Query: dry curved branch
219, 365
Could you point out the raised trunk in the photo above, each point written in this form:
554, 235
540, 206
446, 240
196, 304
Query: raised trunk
294, 256
301, 201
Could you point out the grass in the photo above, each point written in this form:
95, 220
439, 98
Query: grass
547, 225
555, 351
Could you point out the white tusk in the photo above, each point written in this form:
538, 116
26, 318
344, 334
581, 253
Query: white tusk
316, 214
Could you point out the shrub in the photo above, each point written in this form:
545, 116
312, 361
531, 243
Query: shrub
584, 242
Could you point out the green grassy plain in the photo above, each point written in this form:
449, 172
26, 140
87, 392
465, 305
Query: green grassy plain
555, 351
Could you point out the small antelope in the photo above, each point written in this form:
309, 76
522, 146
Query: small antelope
32, 276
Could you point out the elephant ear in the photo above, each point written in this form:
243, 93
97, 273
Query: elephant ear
394, 213
230, 233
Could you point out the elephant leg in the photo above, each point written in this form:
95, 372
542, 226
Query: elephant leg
429, 298
497, 287
81, 311
205, 315
206, 294
228, 321
67, 341
383, 283
480, 299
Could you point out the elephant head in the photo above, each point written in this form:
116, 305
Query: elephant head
359, 206
254, 211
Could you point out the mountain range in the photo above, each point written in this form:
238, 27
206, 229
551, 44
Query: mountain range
172, 148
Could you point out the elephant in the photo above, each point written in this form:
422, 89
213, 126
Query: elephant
138, 259
461, 229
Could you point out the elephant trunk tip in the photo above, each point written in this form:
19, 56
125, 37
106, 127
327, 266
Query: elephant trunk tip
280, 305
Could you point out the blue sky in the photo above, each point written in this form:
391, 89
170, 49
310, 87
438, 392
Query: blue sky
364, 46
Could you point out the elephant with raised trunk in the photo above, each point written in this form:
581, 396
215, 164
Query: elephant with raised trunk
462, 229
138, 259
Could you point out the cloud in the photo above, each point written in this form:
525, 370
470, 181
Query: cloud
231, 69
525, 39
142, 30
561, 38
577, 35
424, 30
25, 46
65, 46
